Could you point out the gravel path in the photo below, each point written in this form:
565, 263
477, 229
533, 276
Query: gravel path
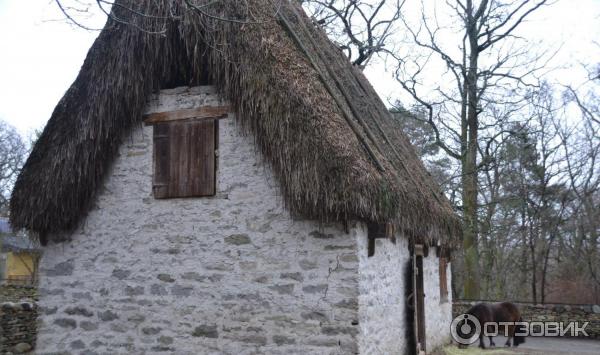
534, 346
557, 345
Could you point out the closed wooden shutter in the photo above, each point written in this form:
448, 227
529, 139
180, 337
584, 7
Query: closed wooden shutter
184, 158
443, 279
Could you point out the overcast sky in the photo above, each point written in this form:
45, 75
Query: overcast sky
40, 55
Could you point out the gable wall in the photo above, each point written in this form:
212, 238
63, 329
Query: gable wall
229, 274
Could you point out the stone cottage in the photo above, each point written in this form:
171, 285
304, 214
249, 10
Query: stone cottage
231, 187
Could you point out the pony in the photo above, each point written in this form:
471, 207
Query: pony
496, 313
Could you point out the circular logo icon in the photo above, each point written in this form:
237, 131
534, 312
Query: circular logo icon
465, 329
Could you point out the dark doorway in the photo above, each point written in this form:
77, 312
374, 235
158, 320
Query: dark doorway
418, 300
415, 302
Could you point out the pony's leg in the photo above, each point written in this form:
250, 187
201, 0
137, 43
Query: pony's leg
511, 334
481, 344
492, 341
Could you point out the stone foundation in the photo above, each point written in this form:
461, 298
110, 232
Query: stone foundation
17, 293
18, 329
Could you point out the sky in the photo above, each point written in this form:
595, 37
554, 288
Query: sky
41, 54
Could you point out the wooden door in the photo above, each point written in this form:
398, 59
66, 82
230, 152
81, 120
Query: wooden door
419, 299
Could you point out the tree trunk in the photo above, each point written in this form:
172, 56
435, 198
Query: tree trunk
469, 179
545, 272
471, 286
533, 271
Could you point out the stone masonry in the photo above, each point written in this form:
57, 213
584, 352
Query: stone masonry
16, 293
17, 326
382, 300
438, 312
231, 274
18, 316
228, 274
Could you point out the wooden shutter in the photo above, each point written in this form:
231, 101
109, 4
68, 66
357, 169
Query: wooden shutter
443, 280
184, 158
160, 184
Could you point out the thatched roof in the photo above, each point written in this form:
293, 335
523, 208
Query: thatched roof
333, 145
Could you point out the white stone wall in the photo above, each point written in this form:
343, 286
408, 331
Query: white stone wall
229, 274
381, 299
438, 314
382, 303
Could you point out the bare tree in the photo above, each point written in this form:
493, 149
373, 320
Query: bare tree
543, 190
12, 156
488, 70
586, 97
361, 28
581, 146
78, 12
582, 152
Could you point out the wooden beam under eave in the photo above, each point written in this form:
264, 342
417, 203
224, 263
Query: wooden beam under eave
204, 112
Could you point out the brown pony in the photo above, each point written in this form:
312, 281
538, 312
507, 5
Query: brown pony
498, 312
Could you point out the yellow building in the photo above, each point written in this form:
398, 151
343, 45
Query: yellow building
19, 257
21, 267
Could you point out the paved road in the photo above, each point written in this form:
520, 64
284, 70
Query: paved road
534, 346
538, 345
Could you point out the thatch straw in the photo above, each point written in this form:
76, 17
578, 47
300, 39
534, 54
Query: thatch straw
333, 145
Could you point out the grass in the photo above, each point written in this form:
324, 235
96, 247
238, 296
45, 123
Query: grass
473, 350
